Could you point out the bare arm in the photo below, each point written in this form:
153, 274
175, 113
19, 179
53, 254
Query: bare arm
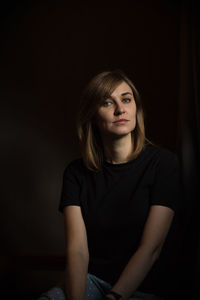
155, 231
77, 256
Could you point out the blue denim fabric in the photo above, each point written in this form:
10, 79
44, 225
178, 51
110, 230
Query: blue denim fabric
96, 289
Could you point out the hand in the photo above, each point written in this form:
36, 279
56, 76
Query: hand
112, 295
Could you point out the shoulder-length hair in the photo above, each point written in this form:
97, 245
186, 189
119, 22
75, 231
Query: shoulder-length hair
101, 87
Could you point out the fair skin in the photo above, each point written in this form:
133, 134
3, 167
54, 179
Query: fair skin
77, 255
118, 145
116, 136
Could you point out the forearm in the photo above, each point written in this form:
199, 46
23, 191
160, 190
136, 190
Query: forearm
76, 275
135, 272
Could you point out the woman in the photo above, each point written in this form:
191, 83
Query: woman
118, 200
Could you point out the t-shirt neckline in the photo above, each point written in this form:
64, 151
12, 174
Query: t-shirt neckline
125, 164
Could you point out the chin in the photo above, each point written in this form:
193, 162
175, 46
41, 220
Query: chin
123, 131
119, 134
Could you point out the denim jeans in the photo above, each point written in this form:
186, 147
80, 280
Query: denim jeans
96, 289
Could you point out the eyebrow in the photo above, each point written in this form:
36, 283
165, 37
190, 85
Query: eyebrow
123, 94
126, 93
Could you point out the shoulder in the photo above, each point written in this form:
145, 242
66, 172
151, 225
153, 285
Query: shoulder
165, 165
75, 168
162, 161
161, 155
75, 164
166, 180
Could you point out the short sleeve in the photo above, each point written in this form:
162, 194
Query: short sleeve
70, 193
166, 187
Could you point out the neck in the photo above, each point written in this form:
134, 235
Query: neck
118, 150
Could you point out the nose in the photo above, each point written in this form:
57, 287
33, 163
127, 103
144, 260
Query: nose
119, 109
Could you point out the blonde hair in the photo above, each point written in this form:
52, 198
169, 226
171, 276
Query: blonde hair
101, 86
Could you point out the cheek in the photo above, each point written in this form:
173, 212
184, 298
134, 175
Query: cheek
134, 116
101, 120
103, 116
133, 111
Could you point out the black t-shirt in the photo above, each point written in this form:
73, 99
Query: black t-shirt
115, 203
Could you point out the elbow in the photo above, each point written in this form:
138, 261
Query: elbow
156, 252
156, 255
77, 258
153, 253
81, 253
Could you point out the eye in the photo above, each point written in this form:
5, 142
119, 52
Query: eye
107, 103
126, 100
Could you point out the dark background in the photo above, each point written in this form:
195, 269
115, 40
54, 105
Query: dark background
49, 50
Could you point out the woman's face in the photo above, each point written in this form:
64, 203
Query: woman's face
117, 114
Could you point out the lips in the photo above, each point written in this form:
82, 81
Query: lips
121, 121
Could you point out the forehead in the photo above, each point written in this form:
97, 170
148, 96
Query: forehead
123, 87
